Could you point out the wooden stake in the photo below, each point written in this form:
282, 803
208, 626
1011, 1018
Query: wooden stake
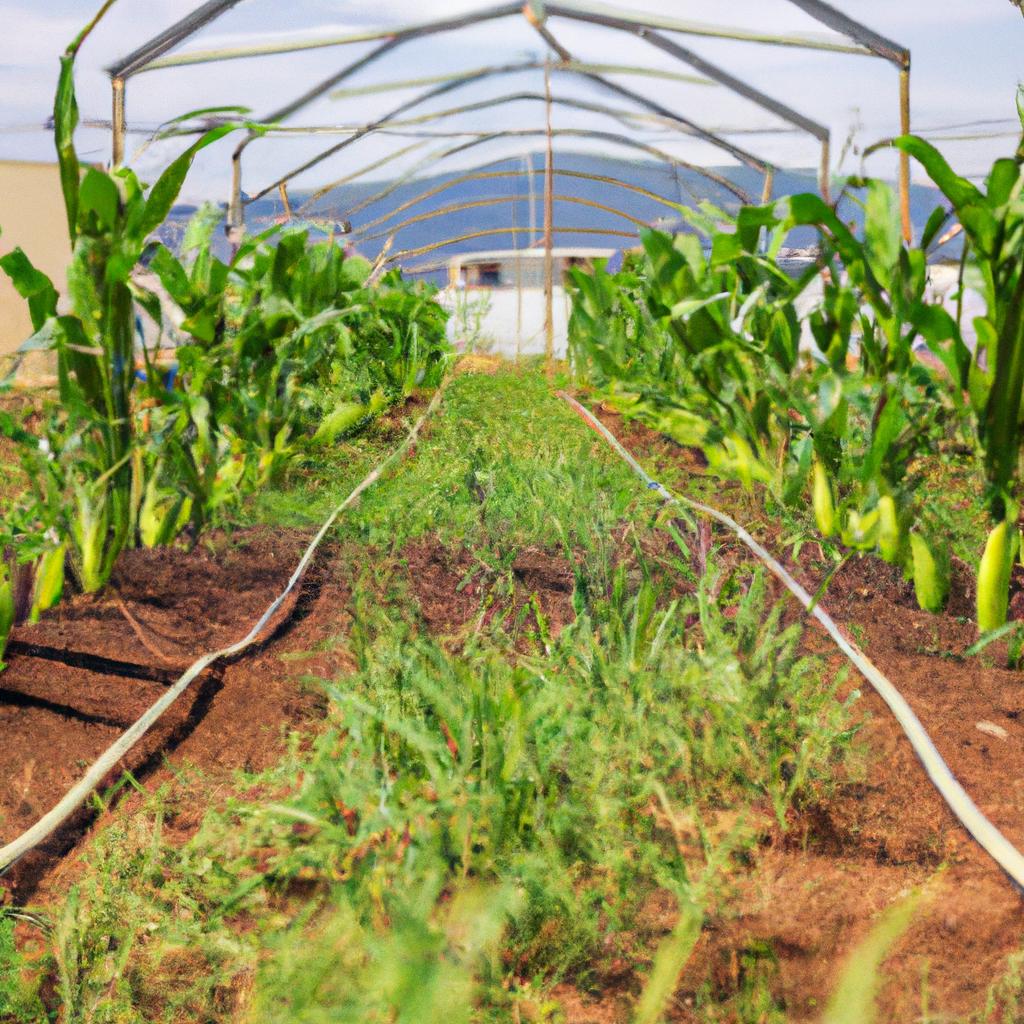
549, 212
908, 231
118, 124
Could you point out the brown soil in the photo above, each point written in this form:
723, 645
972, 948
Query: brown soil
816, 888
164, 608
458, 593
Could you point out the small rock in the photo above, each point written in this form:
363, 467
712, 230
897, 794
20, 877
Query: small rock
991, 729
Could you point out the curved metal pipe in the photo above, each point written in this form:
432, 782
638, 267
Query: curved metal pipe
491, 175
441, 155
473, 204
422, 249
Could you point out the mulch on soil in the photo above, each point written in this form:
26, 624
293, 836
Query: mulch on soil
164, 608
816, 888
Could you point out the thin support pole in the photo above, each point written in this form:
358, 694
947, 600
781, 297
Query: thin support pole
908, 231
236, 208
549, 216
283, 190
118, 123
769, 185
825, 172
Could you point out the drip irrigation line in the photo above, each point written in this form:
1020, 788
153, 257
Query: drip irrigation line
966, 811
108, 760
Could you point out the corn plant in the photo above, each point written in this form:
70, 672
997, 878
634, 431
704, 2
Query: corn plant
110, 217
287, 346
875, 297
704, 343
993, 375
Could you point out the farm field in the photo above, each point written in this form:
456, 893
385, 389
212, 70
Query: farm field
519, 734
351, 672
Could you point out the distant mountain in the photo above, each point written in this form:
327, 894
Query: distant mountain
378, 210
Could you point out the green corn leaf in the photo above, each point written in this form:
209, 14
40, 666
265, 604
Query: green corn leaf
669, 961
1002, 427
935, 223
853, 1000
99, 195
6, 607
49, 581
31, 284
150, 215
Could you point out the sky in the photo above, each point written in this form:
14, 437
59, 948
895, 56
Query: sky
968, 57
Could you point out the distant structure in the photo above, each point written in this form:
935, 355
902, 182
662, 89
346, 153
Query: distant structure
497, 299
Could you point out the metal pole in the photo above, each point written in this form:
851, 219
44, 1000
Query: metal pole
236, 208
908, 230
549, 211
118, 124
825, 172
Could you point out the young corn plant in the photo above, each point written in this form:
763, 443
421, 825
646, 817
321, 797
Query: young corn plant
873, 423
287, 347
110, 217
993, 375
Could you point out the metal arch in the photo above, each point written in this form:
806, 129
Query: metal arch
616, 139
852, 29
473, 204
477, 174
867, 41
497, 12
704, 67
669, 24
156, 47
538, 21
531, 65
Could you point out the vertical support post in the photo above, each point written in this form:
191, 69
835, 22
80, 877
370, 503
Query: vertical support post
283, 190
236, 210
769, 185
825, 172
118, 123
908, 232
549, 258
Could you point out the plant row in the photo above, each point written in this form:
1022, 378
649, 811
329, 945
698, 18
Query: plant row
260, 361
699, 334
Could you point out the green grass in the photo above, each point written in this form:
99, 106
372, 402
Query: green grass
469, 829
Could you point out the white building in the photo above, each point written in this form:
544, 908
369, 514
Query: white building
497, 299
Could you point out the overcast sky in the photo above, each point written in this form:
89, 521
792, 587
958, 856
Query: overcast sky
968, 56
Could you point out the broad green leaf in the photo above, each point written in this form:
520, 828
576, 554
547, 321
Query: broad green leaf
99, 195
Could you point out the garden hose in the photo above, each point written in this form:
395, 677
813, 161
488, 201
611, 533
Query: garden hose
108, 760
967, 812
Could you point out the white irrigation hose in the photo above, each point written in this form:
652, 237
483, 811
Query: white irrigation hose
80, 792
1002, 851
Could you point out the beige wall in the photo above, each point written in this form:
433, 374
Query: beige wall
31, 216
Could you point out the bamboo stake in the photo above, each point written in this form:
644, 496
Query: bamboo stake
549, 216
908, 230
117, 123
825, 172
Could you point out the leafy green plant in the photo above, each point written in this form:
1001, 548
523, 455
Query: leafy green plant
993, 375
703, 342
110, 218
